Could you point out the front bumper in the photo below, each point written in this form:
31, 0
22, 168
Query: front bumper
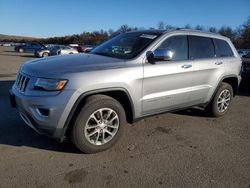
46, 115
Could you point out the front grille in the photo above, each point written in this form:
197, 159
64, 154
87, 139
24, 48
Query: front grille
22, 82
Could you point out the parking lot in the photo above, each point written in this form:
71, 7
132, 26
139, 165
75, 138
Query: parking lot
181, 149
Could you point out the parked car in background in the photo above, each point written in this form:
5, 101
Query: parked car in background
63, 50
242, 52
45, 52
83, 48
246, 66
72, 45
7, 44
29, 47
50, 45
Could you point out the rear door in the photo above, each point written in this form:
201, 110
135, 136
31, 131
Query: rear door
225, 54
167, 85
207, 68
32, 47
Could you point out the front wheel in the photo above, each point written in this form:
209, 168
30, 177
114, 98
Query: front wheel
98, 125
221, 101
45, 54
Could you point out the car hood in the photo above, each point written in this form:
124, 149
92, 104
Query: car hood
58, 65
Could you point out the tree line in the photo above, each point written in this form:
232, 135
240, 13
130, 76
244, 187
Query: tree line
240, 36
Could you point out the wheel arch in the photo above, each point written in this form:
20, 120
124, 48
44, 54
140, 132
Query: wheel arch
120, 94
233, 81
230, 79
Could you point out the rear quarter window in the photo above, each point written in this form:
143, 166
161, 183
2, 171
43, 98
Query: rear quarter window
201, 47
222, 48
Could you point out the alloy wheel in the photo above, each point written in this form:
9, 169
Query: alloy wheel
223, 100
101, 126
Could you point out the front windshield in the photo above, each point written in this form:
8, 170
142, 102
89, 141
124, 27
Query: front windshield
125, 46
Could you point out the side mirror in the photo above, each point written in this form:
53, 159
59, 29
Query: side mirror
160, 55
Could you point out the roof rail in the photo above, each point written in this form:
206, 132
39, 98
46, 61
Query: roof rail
195, 30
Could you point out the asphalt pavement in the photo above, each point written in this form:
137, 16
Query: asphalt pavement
181, 149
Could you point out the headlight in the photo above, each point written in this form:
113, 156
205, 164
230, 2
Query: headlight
50, 84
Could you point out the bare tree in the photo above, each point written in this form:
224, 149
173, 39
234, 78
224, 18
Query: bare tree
124, 28
240, 36
245, 34
199, 27
161, 25
187, 26
228, 32
212, 29
169, 27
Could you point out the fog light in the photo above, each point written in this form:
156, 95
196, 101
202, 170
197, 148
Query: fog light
43, 111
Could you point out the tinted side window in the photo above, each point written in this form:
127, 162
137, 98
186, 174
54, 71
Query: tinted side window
201, 47
222, 48
178, 45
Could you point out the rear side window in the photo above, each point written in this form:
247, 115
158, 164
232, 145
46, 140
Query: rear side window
201, 47
178, 45
222, 48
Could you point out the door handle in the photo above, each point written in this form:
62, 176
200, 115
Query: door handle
186, 66
219, 63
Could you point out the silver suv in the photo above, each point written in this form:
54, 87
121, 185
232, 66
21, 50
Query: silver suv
89, 97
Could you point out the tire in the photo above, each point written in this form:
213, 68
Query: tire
221, 101
20, 50
89, 129
45, 54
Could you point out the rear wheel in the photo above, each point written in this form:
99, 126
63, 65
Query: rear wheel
221, 101
20, 50
98, 125
45, 54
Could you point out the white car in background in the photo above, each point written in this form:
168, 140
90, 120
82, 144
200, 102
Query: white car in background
45, 52
63, 50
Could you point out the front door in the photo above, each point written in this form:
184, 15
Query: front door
167, 85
